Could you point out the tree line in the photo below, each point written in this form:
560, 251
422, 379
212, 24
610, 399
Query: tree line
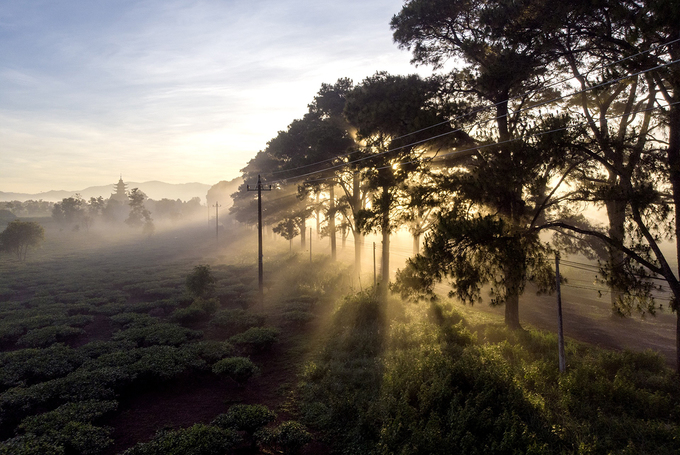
550, 110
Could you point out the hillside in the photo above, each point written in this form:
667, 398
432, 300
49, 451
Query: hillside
153, 189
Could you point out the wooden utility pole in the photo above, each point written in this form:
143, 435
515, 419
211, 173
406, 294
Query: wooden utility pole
560, 333
260, 269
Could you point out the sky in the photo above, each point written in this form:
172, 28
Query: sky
172, 90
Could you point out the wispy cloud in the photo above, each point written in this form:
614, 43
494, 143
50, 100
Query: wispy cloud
183, 90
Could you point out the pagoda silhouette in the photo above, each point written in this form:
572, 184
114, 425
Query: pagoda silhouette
120, 194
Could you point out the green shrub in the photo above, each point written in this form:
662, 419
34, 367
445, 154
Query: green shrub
245, 417
298, 317
237, 320
212, 351
288, 438
98, 348
29, 366
30, 445
200, 282
240, 369
129, 320
84, 412
188, 315
149, 364
256, 339
196, 440
160, 333
46, 336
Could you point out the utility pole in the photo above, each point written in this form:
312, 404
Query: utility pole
560, 333
260, 269
310, 244
217, 220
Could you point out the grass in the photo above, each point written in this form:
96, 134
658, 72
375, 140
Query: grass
411, 380
84, 329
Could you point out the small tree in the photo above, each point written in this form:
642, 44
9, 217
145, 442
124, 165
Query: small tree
139, 215
19, 235
288, 229
201, 282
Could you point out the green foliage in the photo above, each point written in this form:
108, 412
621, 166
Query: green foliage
430, 387
288, 438
188, 315
245, 417
84, 412
160, 333
196, 440
46, 336
201, 282
18, 236
149, 364
212, 351
340, 386
298, 317
128, 320
256, 339
237, 320
209, 306
30, 366
139, 216
240, 369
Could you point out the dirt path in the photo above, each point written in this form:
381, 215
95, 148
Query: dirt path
589, 319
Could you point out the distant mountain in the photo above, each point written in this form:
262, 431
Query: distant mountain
155, 190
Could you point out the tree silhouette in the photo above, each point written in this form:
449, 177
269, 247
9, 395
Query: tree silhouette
18, 236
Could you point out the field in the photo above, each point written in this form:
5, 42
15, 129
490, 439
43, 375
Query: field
106, 350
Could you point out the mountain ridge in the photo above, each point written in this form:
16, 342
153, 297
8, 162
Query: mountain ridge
154, 189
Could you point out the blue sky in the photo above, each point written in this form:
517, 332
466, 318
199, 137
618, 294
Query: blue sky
178, 91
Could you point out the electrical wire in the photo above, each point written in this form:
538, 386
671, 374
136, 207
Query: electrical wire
483, 108
562, 97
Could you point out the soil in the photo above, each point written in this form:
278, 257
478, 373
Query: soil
589, 319
199, 398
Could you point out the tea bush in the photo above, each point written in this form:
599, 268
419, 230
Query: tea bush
160, 333
287, 438
256, 339
237, 320
240, 369
245, 417
188, 315
84, 411
196, 440
212, 351
30, 366
46, 336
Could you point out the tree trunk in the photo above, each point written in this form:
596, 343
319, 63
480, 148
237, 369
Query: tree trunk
512, 311
616, 212
358, 236
303, 231
385, 230
358, 243
385, 264
331, 221
674, 165
513, 274
318, 217
416, 244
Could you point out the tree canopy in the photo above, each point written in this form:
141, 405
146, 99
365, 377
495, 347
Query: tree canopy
18, 236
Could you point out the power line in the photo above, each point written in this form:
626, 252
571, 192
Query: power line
375, 155
483, 108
